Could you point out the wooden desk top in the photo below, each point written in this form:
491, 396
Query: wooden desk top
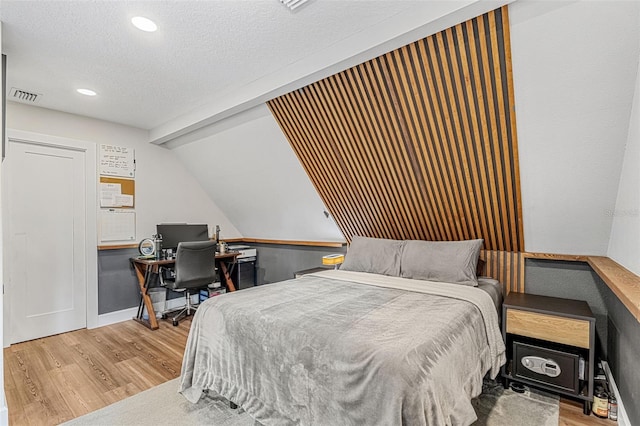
160, 262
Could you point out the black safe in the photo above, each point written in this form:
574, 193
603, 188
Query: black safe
554, 368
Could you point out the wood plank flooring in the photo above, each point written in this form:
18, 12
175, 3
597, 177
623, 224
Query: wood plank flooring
57, 378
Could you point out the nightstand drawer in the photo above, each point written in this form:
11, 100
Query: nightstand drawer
568, 331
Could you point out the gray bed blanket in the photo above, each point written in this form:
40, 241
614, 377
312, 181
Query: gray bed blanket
346, 348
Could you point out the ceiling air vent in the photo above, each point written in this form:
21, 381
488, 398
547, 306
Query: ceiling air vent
23, 96
293, 4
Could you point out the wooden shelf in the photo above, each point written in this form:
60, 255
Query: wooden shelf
624, 283
336, 244
118, 246
552, 256
293, 242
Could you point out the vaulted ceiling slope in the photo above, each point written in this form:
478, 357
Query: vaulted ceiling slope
574, 71
419, 143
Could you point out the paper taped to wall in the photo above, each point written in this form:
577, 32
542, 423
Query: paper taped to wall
111, 196
117, 225
117, 161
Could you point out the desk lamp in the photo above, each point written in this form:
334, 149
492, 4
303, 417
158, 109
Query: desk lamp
333, 259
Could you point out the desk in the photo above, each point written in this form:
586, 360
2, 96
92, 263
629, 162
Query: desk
145, 268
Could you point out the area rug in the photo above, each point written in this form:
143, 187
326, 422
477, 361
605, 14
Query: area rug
497, 406
162, 405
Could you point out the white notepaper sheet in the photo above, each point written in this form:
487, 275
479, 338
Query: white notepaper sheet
117, 225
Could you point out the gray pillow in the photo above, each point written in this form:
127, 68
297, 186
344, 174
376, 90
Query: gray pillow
445, 261
373, 255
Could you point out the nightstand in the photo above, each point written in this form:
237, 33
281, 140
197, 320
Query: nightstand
298, 274
550, 344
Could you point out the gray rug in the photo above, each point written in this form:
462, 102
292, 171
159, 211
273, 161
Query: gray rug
497, 407
162, 405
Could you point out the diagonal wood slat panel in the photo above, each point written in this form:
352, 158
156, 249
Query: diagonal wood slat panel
419, 143
506, 267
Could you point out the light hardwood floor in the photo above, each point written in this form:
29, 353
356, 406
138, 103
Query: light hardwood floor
55, 379
51, 380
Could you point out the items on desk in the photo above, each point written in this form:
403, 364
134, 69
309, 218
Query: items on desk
168, 254
174, 233
157, 242
151, 247
222, 247
147, 248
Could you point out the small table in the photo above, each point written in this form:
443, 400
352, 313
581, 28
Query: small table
549, 327
145, 268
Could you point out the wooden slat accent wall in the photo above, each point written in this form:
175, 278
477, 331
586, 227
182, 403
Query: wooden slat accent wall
419, 143
506, 267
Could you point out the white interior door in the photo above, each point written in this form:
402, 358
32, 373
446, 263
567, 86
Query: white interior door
47, 239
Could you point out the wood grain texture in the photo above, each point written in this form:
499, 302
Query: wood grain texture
554, 256
292, 242
506, 267
251, 240
624, 283
571, 415
118, 246
567, 331
418, 143
58, 378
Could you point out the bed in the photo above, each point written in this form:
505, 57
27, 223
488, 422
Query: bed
366, 344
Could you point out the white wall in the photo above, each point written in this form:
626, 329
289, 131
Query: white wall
624, 246
246, 164
4, 415
165, 190
574, 66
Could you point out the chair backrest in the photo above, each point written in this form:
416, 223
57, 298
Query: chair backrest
195, 264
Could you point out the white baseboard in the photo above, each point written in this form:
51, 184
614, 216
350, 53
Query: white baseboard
127, 314
623, 418
4, 413
117, 316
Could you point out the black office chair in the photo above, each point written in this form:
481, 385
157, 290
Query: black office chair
194, 269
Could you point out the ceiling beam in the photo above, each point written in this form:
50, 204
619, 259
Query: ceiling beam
397, 31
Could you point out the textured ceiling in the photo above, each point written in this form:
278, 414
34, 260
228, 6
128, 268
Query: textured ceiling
203, 54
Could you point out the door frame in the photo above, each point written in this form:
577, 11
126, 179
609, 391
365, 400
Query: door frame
91, 235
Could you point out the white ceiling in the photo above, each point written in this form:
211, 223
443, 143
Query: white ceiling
208, 60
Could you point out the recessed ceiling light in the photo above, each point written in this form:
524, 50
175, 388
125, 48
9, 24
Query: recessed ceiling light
144, 24
87, 92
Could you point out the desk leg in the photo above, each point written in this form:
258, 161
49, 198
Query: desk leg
144, 274
227, 276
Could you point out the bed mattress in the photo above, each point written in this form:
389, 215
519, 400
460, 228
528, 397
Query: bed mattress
346, 348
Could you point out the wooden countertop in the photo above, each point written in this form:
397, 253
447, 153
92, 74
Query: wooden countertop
624, 283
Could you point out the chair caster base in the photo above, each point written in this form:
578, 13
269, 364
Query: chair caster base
175, 322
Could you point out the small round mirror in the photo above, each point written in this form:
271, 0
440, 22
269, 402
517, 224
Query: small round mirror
147, 247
